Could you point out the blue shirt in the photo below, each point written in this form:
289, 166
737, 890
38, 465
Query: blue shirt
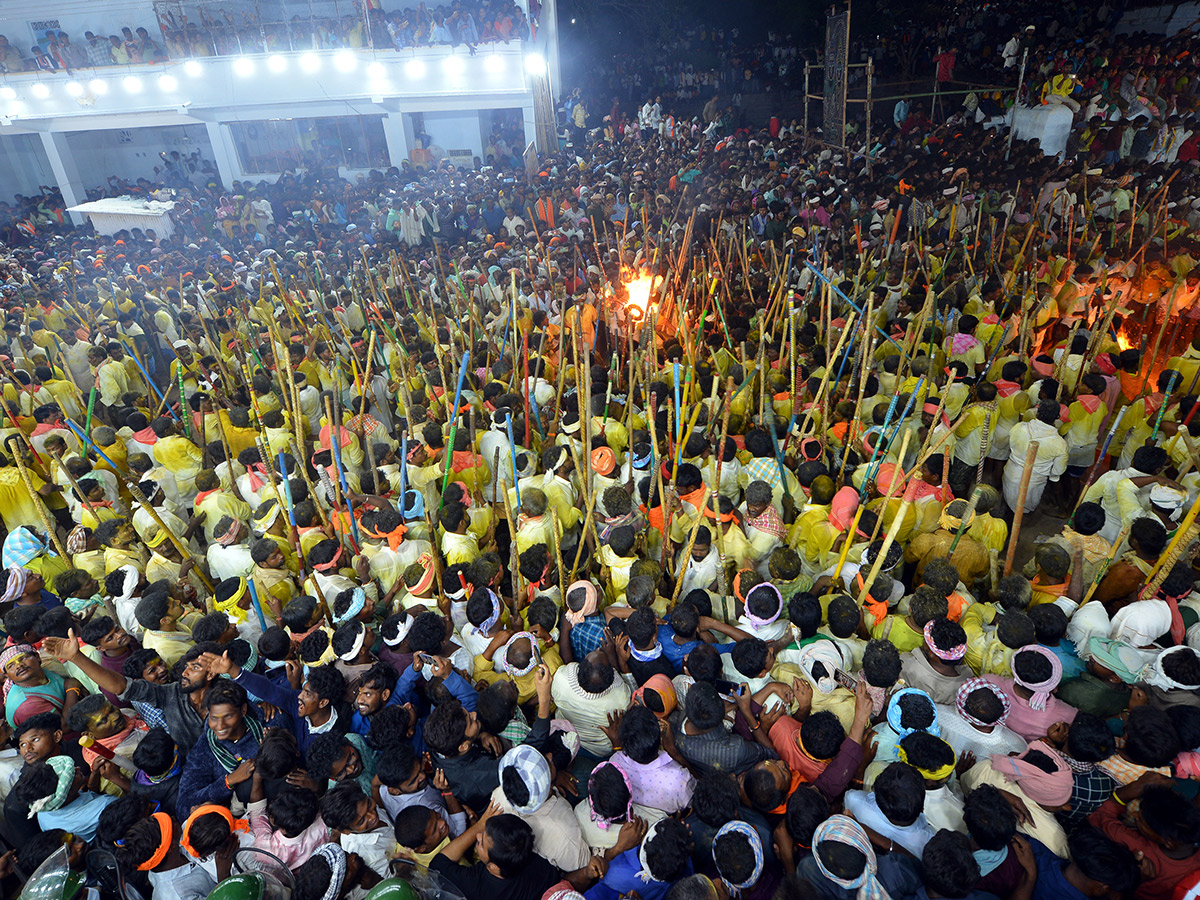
80, 816
1051, 883
676, 652
1072, 665
406, 692
587, 636
622, 877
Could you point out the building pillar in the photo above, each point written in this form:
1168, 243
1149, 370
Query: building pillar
66, 173
553, 63
396, 134
529, 120
224, 153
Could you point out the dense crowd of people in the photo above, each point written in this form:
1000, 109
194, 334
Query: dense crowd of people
716, 514
222, 33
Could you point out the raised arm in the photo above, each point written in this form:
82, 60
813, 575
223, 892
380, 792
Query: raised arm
67, 650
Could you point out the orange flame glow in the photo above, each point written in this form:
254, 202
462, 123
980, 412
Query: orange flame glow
639, 288
1123, 340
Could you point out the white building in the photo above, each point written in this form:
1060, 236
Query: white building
253, 113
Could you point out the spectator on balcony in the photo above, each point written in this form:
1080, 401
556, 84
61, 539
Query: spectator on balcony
120, 55
468, 30
150, 51
11, 59
130, 43
355, 32
99, 51
439, 33
68, 55
41, 61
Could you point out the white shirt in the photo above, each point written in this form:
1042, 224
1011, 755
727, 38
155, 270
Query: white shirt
557, 837
587, 712
229, 562
913, 838
963, 737
188, 882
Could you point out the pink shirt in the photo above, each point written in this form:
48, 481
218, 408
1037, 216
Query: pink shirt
662, 784
1029, 723
293, 851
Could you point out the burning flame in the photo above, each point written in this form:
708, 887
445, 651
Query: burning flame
1123, 340
639, 288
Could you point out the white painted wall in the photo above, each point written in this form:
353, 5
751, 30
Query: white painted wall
23, 165
455, 131
132, 153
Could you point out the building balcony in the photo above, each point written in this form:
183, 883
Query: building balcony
256, 86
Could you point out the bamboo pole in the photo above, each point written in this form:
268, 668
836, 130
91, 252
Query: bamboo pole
38, 504
681, 570
1019, 512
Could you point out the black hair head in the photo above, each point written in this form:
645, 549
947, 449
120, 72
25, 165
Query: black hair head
949, 867
704, 706
900, 793
339, 806
926, 751
608, 793
989, 818
750, 657
881, 663
156, 753
668, 850
1103, 860
807, 808
323, 752
293, 810
640, 737
1169, 815
1150, 738
512, 844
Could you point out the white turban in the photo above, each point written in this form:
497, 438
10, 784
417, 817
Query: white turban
1141, 623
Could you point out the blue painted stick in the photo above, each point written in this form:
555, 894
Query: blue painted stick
896, 431
453, 419
512, 449
858, 309
335, 446
161, 396
403, 471
262, 621
287, 496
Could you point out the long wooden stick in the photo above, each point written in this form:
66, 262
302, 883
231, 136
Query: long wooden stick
1019, 512
43, 515
681, 570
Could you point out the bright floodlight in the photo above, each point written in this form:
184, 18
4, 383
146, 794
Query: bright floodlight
310, 62
132, 84
193, 68
98, 86
414, 68
535, 64
8, 92
40, 91
376, 70
74, 88
243, 67
494, 64
167, 83
345, 61
276, 63
453, 65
